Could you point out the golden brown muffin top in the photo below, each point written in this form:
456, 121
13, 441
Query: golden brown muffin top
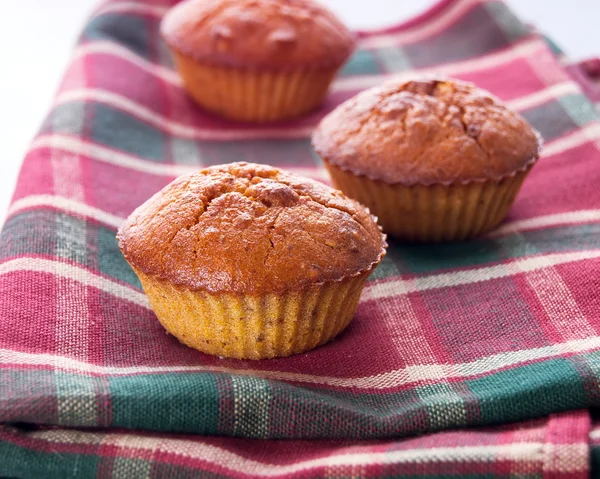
276, 34
250, 228
428, 131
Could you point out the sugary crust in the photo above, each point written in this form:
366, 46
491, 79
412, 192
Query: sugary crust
271, 34
426, 132
246, 228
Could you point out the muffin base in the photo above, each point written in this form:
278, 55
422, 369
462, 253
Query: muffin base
437, 212
254, 95
246, 326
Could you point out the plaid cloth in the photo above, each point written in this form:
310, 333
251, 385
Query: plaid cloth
500, 329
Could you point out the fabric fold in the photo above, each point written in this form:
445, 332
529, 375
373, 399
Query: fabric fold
554, 447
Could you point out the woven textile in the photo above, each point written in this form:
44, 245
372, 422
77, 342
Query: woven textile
500, 329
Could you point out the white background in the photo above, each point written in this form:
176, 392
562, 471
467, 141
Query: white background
36, 37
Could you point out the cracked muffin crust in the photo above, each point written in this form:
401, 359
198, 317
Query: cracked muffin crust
426, 132
256, 60
271, 34
244, 228
434, 159
245, 260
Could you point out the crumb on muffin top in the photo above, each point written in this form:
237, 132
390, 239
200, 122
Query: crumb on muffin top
244, 227
429, 131
277, 34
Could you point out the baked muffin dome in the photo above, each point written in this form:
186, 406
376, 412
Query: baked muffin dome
256, 60
426, 132
237, 259
271, 34
433, 159
244, 228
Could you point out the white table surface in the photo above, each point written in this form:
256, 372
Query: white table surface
36, 37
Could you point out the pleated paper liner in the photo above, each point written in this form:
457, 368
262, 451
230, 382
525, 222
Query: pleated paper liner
253, 95
255, 326
437, 212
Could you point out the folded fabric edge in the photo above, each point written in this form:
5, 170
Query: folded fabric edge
556, 446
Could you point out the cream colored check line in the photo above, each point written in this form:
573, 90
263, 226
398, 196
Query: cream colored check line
104, 47
538, 222
390, 379
534, 454
76, 146
524, 49
422, 31
174, 127
187, 131
538, 98
590, 133
77, 208
385, 380
66, 205
386, 289
347, 84
74, 273
379, 40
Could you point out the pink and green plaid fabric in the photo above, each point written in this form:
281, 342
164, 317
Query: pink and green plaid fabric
479, 358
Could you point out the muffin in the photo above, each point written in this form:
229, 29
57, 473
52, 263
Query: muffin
435, 160
256, 60
246, 261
